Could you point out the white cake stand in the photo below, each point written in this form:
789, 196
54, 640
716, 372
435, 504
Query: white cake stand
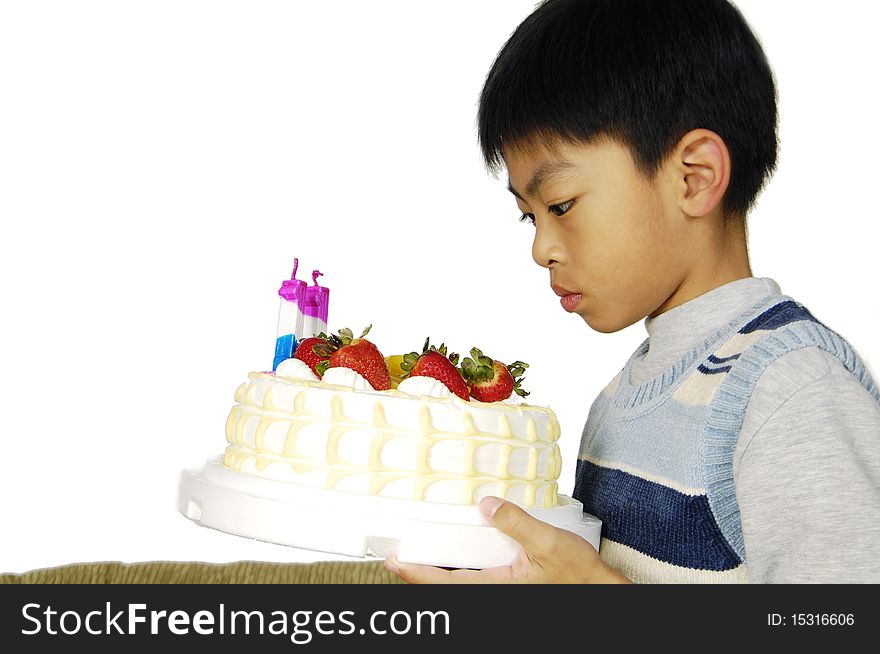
446, 535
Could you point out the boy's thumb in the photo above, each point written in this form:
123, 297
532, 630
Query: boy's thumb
515, 522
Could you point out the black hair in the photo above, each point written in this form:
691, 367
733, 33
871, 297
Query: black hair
643, 72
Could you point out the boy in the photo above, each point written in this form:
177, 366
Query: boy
741, 441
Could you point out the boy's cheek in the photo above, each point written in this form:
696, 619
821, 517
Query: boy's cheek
621, 295
602, 309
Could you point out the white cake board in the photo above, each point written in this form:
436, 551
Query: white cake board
339, 522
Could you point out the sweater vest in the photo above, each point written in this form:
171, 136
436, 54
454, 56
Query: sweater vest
656, 460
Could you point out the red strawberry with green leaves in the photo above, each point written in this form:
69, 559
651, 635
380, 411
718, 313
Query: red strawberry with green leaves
434, 363
305, 351
344, 351
492, 381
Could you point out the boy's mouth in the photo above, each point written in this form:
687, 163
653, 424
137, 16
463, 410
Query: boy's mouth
570, 302
569, 299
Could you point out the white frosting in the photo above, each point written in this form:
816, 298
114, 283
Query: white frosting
346, 377
418, 442
295, 369
423, 387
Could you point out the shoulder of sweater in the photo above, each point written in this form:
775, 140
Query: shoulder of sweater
798, 368
823, 377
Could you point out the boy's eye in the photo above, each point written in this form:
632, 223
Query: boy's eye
561, 209
556, 210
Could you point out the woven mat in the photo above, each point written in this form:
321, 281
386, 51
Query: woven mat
177, 572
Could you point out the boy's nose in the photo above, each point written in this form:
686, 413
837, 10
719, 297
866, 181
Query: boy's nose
545, 247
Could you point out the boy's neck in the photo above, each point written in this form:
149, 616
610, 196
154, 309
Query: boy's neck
725, 259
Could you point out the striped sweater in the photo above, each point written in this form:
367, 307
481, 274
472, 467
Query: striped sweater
656, 459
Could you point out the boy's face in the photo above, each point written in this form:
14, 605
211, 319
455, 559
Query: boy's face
605, 232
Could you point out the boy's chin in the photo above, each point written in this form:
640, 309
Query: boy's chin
606, 324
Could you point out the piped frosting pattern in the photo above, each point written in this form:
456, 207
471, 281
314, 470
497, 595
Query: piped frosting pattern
391, 443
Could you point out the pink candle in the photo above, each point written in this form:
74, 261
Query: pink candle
315, 307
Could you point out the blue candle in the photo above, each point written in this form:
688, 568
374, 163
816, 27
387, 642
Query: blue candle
290, 317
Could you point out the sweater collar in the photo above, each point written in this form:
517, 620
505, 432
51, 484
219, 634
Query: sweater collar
700, 317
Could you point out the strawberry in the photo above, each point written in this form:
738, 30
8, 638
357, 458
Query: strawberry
492, 381
434, 363
359, 354
305, 351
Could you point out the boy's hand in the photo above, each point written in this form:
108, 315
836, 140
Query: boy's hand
549, 555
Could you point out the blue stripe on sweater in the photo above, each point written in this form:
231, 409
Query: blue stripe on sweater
654, 519
713, 371
777, 316
714, 359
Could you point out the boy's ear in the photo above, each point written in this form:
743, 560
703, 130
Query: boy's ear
701, 162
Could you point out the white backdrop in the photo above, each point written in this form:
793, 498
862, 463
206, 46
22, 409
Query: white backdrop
163, 162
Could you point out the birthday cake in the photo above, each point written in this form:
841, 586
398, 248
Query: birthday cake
343, 450
418, 441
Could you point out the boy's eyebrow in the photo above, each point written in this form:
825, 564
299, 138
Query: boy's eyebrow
545, 171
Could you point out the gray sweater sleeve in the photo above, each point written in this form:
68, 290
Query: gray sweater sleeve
807, 474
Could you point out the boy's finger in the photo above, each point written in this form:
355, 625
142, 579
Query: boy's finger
535, 536
427, 574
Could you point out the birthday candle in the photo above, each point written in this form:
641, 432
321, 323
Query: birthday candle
315, 307
290, 317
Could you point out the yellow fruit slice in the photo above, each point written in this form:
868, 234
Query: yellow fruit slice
394, 368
